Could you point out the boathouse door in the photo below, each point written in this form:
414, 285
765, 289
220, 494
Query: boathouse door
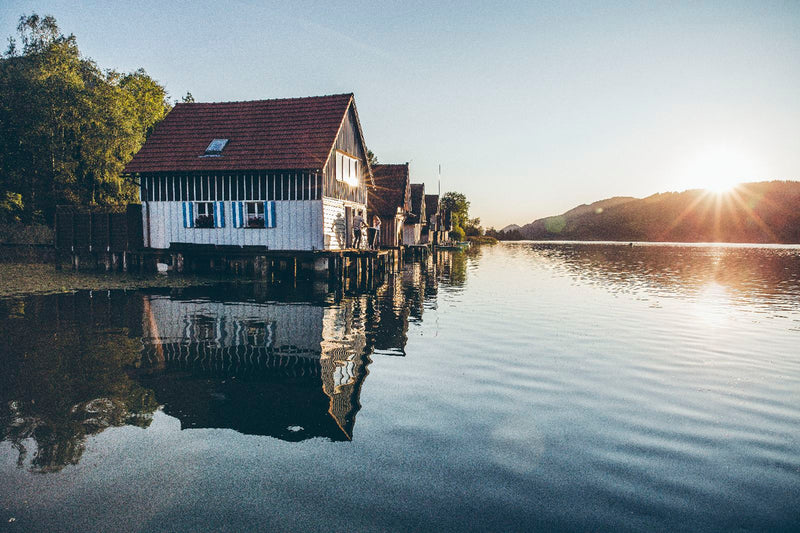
348, 227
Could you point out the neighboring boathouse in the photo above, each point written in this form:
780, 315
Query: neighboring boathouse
430, 232
412, 231
283, 174
390, 200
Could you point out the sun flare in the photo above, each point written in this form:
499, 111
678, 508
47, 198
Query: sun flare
719, 169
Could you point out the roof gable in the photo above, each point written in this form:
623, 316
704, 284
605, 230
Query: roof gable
431, 204
291, 133
391, 189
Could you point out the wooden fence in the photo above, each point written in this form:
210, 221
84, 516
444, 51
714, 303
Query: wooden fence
99, 230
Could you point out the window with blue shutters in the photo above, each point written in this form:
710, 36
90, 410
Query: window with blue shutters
253, 214
203, 215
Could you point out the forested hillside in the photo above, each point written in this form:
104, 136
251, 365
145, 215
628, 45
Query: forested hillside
764, 212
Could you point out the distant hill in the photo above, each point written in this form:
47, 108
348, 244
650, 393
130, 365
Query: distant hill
511, 227
764, 212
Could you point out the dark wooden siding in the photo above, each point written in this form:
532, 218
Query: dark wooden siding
390, 226
231, 186
99, 230
348, 140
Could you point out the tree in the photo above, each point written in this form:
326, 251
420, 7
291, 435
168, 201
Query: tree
372, 158
458, 205
472, 227
67, 128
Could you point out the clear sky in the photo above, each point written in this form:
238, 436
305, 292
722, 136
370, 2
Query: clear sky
531, 108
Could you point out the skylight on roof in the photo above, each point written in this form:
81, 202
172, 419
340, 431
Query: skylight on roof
216, 146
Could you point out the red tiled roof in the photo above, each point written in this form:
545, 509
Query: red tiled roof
293, 133
389, 191
431, 204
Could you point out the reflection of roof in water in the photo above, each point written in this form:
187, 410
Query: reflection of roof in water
291, 408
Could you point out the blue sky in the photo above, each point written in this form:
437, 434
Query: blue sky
531, 108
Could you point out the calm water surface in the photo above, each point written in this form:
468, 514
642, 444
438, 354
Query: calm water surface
525, 386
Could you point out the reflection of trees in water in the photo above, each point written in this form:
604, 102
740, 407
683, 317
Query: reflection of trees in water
749, 273
452, 266
60, 385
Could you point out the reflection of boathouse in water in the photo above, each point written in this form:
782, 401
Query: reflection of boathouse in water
289, 370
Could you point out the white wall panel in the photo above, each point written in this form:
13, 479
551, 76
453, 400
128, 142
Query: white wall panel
298, 227
333, 222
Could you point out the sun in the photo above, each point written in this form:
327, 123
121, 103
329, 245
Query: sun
719, 169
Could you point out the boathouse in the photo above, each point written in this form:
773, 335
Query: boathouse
282, 174
412, 230
430, 229
390, 200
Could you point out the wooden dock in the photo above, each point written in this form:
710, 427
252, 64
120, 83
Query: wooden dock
112, 241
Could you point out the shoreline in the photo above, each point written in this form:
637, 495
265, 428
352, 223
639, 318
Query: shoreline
29, 279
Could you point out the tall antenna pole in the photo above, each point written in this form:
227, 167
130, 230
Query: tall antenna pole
440, 181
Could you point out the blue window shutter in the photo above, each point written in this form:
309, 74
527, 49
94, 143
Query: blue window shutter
238, 215
269, 214
220, 212
188, 218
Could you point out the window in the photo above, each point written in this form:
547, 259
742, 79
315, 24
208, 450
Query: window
204, 215
254, 214
215, 148
347, 169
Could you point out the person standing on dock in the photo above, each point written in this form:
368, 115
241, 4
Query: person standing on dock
373, 233
358, 223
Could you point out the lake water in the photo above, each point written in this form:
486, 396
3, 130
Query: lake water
526, 386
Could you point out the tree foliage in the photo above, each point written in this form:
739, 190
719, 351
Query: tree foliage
463, 226
458, 205
67, 127
372, 158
